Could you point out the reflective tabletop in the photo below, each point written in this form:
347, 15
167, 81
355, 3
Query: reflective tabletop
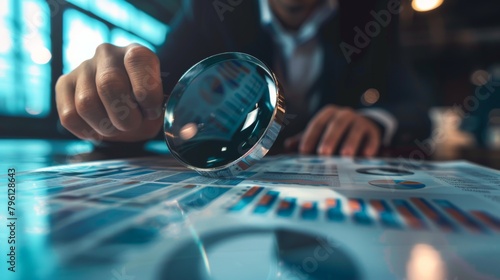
288, 217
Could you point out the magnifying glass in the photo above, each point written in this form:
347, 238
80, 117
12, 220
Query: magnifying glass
224, 114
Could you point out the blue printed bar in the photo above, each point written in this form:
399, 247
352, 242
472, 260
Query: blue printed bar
309, 211
385, 213
266, 202
137, 191
286, 207
245, 199
179, 177
91, 224
460, 216
359, 213
131, 174
101, 173
334, 209
487, 219
164, 196
433, 214
201, 198
412, 218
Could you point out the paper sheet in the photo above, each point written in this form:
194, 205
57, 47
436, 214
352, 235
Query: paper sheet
102, 218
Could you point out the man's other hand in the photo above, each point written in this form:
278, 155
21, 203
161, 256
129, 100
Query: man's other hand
337, 128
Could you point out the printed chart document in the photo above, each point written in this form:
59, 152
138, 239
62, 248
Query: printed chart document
287, 217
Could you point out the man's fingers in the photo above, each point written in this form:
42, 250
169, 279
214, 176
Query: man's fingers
65, 103
372, 143
363, 132
114, 89
315, 129
143, 68
334, 132
354, 139
333, 125
88, 103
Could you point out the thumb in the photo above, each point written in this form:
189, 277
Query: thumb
143, 68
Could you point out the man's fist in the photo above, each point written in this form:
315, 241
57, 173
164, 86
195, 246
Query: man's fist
115, 96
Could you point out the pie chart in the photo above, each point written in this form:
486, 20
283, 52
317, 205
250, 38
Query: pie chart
397, 184
384, 171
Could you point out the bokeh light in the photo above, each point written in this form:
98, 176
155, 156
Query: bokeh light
188, 131
370, 97
41, 55
425, 263
425, 5
479, 77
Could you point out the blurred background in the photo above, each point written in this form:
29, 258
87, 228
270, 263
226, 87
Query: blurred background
42, 39
453, 46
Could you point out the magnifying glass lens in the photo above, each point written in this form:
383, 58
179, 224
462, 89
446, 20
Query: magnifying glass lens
224, 113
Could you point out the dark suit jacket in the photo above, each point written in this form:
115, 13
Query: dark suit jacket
198, 32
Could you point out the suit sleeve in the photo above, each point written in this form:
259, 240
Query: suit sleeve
188, 42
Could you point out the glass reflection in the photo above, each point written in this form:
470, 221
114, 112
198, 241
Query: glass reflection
425, 263
219, 110
251, 253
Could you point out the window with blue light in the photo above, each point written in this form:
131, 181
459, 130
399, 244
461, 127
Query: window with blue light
89, 23
25, 55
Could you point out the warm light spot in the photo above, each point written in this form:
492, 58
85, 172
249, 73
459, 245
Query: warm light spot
41, 55
425, 5
479, 77
425, 263
188, 131
370, 97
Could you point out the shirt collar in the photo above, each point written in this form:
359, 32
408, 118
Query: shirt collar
308, 29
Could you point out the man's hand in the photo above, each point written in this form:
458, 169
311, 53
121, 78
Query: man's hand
336, 127
115, 96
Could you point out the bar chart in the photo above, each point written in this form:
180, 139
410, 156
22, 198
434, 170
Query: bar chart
412, 213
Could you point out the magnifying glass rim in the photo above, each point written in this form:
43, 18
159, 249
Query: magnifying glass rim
257, 151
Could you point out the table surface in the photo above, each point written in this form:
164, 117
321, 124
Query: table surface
293, 218
31, 154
